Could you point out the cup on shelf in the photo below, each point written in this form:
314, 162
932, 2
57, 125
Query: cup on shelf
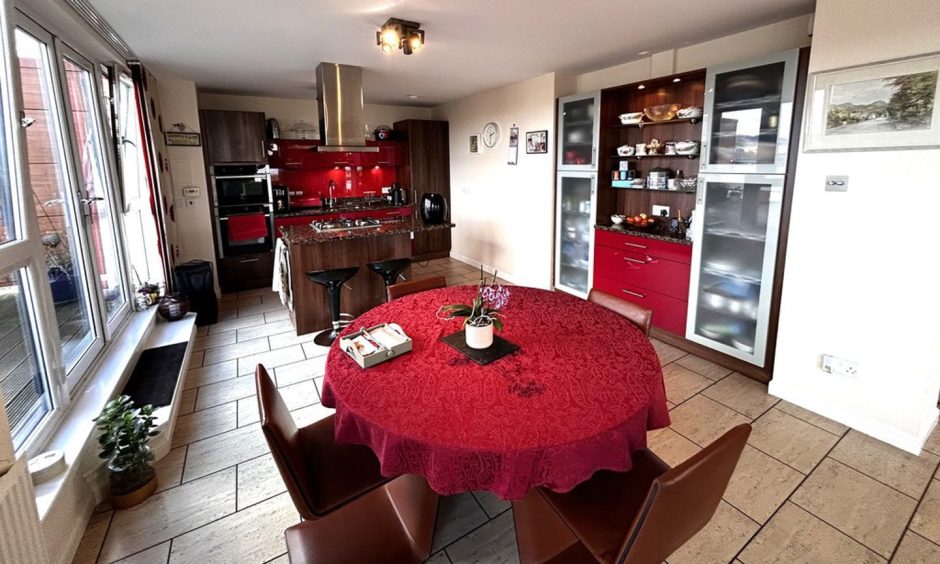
640, 150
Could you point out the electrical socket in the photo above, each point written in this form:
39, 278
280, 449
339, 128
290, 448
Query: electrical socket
835, 365
658, 211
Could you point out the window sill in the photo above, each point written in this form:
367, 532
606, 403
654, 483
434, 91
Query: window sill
74, 428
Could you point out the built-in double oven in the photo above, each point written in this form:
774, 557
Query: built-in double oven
244, 206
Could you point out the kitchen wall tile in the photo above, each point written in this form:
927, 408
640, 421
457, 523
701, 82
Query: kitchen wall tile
794, 536
682, 383
223, 451
258, 480
866, 510
926, 521
742, 394
900, 470
704, 367
703, 420
791, 440
493, 543
201, 424
760, 484
719, 540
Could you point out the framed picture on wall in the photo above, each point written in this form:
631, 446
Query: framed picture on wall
475, 143
889, 105
536, 142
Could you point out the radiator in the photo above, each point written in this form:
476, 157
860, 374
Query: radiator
21, 540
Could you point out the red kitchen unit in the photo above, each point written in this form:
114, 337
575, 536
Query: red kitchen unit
645, 271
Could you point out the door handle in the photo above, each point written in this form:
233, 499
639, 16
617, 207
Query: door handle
92, 199
638, 261
248, 260
634, 245
632, 293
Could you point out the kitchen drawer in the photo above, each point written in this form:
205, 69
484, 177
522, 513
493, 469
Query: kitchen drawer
660, 249
659, 275
246, 272
669, 313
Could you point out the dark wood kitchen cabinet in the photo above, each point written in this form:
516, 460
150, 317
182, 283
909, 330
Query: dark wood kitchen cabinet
233, 137
425, 169
246, 272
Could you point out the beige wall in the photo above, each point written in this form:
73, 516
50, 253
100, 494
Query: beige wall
288, 111
504, 212
861, 274
179, 104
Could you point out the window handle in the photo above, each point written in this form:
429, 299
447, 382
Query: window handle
26, 121
92, 199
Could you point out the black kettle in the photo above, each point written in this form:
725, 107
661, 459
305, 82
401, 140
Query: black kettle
433, 208
398, 194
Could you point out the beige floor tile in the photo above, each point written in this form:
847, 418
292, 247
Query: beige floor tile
153, 555
813, 418
248, 411
724, 535
491, 504
318, 382
670, 446
742, 394
866, 510
213, 341
264, 290
313, 350
299, 371
196, 359
266, 330
270, 359
93, 538
791, 440
761, 484
703, 420
237, 350
225, 391
236, 323
915, 549
311, 414
670, 405
187, 401
237, 302
209, 374
222, 451
300, 394
457, 515
170, 469
933, 441
227, 315
493, 543
201, 424
272, 298
253, 535
289, 338
270, 316
202, 331
926, 521
170, 513
262, 308
704, 367
258, 480
900, 470
439, 558
667, 353
795, 536
682, 383
284, 559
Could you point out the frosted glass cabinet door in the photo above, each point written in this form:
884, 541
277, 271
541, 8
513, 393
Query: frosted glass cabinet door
733, 263
748, 111
575, 230
578, 131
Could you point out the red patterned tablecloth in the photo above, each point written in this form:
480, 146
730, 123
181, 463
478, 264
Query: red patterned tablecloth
578, 397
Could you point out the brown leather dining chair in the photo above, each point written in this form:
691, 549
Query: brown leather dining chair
636, 517
638, 315
415, 286
321, 475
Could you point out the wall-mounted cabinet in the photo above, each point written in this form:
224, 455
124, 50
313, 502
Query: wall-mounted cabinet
233, 137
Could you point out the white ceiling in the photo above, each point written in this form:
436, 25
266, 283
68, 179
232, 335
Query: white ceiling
272, 47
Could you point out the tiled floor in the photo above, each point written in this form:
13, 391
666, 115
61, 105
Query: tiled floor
806, 490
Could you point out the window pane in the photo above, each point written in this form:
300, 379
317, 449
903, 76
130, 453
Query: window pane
103, 239
58, 227
7, 227
25, 394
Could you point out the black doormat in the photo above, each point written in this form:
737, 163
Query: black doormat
500, 348
155, 375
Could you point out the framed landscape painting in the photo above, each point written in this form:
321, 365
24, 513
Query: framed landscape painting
889, 105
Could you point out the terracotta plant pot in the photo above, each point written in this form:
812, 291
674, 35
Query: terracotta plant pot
479, 337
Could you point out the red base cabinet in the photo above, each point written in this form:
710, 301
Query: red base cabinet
648, 272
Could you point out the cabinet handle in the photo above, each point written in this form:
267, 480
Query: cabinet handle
637, 245
256, 260
638, 261
632, 293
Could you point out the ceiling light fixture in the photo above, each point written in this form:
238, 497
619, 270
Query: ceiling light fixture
412, 96
400, 34
643, 53
677, 79
641, 87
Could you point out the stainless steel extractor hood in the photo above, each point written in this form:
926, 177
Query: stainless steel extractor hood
342, 118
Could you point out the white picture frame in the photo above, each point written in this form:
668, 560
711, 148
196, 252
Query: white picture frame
883, 106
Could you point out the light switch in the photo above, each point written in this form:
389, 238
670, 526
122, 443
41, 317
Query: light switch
837, 184
190, 191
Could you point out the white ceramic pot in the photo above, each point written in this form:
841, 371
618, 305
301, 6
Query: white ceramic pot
479, 337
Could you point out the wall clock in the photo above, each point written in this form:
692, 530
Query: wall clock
491, 134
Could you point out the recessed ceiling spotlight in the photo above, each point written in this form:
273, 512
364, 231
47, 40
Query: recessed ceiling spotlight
400, 34
412, 96
641, 87
643, 53
677, 79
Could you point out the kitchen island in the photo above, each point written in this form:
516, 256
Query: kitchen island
312, 250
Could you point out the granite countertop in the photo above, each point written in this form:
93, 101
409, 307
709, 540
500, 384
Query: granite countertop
307, 235
321, 210
657, 234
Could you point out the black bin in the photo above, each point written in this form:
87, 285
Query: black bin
194, 279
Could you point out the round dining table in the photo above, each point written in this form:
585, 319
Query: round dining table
578, 396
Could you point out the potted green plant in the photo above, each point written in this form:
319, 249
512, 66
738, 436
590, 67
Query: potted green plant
125, 436
483, 314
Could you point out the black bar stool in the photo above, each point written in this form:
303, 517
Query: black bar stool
333, 280
390, 269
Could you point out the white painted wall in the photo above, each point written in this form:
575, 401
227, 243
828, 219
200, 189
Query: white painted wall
861, 274
504, 212
288, 111
179, 104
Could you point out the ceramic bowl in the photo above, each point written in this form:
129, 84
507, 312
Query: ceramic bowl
631, 118
690, 112
617, 219
688, 147
625, 151
661, 112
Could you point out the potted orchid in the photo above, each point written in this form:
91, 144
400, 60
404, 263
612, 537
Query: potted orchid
483, 314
